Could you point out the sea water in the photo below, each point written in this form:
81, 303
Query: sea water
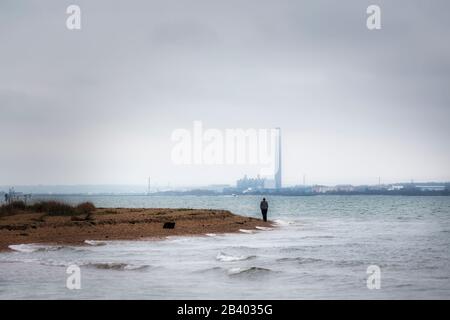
321, 248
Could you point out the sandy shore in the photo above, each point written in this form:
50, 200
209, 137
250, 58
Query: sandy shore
118, 224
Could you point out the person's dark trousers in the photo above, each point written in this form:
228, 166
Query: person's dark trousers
264, 214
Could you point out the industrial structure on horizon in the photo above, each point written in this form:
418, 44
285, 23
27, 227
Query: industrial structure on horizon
259, 183
278, 184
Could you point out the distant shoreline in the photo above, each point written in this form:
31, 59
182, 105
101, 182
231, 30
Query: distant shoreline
304, 194
271, 193
430, 188
118, 224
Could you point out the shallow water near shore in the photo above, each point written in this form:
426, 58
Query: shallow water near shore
320, 249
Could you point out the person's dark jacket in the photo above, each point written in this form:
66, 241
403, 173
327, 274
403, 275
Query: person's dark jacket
264, 205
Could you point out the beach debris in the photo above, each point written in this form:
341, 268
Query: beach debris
169, 225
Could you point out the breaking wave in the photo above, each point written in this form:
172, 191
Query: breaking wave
95, 243
29, 248
248, 271
263, 228
282, 222
229, 258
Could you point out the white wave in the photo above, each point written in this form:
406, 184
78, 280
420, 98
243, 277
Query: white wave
235, 270
211, 234
250, 270
29, 248
245, 231
26, 248
263, 228
135, 267
229, 258
282, 222
95, 243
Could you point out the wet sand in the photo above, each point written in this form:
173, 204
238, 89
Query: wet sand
118, 224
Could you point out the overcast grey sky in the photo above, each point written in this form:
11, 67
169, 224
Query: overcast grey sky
98, 105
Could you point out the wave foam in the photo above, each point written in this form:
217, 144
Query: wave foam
248, 271
229, 258
95, 243
282, 222
263, 228
29, 248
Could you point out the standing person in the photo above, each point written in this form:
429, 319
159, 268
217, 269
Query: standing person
264, 205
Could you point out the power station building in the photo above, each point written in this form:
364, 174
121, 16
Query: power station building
274, 181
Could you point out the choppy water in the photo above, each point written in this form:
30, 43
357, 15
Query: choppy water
321, 249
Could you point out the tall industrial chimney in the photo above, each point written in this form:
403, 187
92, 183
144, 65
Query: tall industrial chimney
278, 161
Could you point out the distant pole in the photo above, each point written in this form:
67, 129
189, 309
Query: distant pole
148, 188
304, 180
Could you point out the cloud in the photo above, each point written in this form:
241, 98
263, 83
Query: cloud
139, 69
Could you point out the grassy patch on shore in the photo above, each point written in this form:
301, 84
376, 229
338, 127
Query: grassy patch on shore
51, 208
